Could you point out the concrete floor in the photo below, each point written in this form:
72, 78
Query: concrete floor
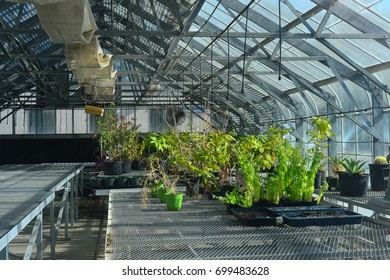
86, 240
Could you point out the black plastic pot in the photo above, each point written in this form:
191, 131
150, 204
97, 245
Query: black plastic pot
332, 183
136, 165
126, 166
109, 181
377, 176
353, 184
192, 186
112, 167
319, 179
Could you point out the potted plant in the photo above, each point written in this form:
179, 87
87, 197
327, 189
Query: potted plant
132, 146
294, 175
251, 157
336, 167
152, 182
109, 139
168, 194
210, 158
353, 182
165, 150
378, 171
254, 154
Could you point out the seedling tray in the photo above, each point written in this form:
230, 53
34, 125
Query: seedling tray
303, 216
257, 216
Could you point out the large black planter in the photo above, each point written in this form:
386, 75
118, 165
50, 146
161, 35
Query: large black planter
377, 176
126, 166
112, 167
353, 184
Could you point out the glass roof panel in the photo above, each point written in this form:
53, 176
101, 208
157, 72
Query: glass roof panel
366, 3
352, 52
373, 17
382, 9
372, 48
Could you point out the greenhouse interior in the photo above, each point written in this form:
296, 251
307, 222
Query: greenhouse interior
265, 122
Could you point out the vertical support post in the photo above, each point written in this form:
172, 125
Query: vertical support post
377, 119
76, 207
71, 187
35, 238
82, 183
40, 236
66, 210
4, 253
299, 129
352, 207
52, 232
332, 145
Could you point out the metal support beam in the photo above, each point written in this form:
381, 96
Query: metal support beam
36, 236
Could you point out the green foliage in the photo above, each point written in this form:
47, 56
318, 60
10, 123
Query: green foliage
296, 169
109, 135
208, 154
353, 166
132, 145
118, 137
205, 154
254, 153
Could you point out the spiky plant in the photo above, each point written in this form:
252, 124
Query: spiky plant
353, 166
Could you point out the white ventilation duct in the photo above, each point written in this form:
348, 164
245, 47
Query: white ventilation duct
93, 69
86, 55
68, 21
100, 90
71, 22
83, 74
41, 2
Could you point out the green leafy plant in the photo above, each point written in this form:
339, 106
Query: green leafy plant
294, 175
207, 154
132, 144
318, 136
353, 166
252, 154
249, 191
118, 137
109, 135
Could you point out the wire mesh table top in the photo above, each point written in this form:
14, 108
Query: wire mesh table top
362, 199
203, 229
44, 176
